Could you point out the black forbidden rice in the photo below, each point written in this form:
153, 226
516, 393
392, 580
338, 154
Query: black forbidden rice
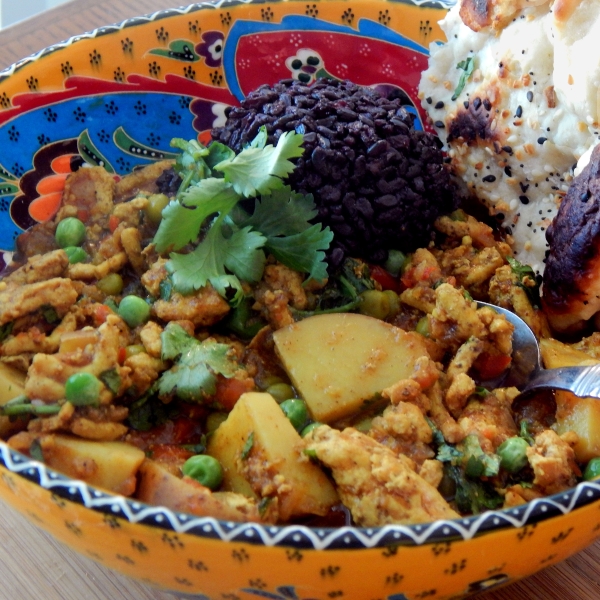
377, 182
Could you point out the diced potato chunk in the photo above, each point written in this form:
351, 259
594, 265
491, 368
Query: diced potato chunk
275, 450
581, 415
555, 354
338, 362
12, 383
159, 487
109, 465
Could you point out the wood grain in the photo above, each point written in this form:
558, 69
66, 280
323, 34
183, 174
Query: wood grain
71, 18
32, 564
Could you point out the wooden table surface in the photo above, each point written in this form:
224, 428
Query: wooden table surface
32, 564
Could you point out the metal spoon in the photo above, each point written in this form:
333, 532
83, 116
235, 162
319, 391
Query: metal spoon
527, 374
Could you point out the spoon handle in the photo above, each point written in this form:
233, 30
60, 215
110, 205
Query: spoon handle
581, 381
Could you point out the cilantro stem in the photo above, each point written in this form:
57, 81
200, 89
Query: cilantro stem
303, 314
26, 408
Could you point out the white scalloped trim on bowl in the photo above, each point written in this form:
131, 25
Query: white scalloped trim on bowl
296, 535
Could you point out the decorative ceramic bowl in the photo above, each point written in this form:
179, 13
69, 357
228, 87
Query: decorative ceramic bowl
115, 97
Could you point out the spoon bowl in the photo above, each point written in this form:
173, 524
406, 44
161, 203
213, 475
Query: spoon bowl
527, 374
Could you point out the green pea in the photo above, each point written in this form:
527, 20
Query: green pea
75, 254
69, 232
205, 469
458, 215
364, 425
111, 285
134, 349
423, 327
395, 261
394, 302
374, 304
296, 411
134, 310
281, 391
592, 470
269, 380
513, 454
83, 389
156, 204
310, 427
214, 420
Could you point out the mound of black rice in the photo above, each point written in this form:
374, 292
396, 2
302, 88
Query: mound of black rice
377, 182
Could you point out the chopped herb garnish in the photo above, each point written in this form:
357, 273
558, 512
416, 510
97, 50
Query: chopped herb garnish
150, 411
165, 289
6, 330
449, 453
263, 505
230, 245
35, 450
195, 448
477, 463
527, 280
468, 66
524, 432
111, 379
248, 446
473, 496
193, 376
49, 313
343, 289
111, 304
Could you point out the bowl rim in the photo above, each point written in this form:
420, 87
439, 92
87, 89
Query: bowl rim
132, 22
164, 14
297, 536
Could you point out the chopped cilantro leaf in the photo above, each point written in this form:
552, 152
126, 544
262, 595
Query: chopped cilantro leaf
473, 496
263, 505
193, 376
50, 314
527, 280
206, 264
6, 330
259, 170
165, 288
448, 453
149, 411
283, 217
243, 254
478, 463
183, 219
248, 446
468, 66
304, 251
111, 379
282, 212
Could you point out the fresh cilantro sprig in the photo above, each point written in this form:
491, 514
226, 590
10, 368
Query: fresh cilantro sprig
283, 217
193, 377
229, 244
